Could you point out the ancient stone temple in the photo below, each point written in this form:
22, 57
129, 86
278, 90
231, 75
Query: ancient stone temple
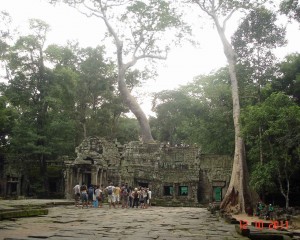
178, 174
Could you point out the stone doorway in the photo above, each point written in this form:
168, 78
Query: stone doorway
217, 194
87, 178
12, 188
143, 184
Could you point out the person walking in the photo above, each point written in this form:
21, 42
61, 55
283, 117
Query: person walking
124, 197
110, 195
84, 195
98, 194
117, 193
135, 195
77, 194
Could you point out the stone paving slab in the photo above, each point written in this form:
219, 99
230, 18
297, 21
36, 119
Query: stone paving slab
156, 223
13, 204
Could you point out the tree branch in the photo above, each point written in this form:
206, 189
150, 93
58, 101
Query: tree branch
115, 5
152, 57
228, 17
94, 12
203, 8
135, 59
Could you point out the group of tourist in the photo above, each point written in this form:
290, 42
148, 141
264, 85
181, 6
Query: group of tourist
116, 196
264, 211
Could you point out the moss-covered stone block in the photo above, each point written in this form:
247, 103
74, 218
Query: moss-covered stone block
23, 213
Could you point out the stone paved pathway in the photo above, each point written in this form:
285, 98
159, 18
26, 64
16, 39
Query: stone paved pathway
158, 223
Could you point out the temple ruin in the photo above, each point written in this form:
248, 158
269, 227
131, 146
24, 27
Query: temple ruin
180, 173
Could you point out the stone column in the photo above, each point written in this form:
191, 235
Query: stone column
195, 188
19, 185
94, 176
174, 191
71, 173
78, 179
68, 188
98, 176
101, 176
105, 178
190, 191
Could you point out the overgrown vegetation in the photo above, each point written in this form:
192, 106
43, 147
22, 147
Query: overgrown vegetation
54, 96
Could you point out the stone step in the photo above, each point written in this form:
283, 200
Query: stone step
22, 213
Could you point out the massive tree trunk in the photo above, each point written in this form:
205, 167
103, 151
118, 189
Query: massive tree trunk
135, 108
238, 196
127, 98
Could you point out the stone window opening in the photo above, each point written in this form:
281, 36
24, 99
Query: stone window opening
168, 190
183, 191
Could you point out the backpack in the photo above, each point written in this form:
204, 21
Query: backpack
91, 190
109, 190
135, 194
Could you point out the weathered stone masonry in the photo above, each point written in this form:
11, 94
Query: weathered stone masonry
180, 174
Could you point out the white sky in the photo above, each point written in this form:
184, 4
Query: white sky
182, 64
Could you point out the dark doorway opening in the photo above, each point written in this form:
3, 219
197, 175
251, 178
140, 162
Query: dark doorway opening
168, 190
87, 179
52, 186
143, 184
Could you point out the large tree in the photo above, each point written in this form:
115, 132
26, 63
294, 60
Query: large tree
138, 30
279, 118
288, 77
197, 113
254, 42
238, 196
28, 91
291, 8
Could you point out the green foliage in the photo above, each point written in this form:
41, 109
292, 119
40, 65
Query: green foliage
291, 8
199, 113
288, 80
254, 43
172, 116
155, 16
54, 171
149, 22
5, 21
262, 177
127, 130
47, 106
258, 29
7, 117
279, 119
61, 56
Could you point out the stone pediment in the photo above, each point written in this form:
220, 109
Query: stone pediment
97, 151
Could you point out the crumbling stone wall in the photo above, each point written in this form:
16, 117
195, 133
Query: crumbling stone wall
215, 171
172, 173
